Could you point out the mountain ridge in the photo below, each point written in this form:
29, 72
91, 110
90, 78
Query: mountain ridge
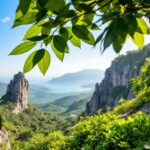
83, 74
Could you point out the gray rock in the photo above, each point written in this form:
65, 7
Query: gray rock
17, 92
145, 108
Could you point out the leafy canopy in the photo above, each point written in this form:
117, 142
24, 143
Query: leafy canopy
56, 23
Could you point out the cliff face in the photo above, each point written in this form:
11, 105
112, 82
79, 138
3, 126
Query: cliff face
17, 92
116, 83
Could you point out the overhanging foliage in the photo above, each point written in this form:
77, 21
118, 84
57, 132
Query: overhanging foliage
56, 23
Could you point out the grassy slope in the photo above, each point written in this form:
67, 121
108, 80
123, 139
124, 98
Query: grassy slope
108, 131
77, 107
66, 104
31, 121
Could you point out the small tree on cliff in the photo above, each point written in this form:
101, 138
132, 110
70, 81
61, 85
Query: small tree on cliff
141, 83
56, 23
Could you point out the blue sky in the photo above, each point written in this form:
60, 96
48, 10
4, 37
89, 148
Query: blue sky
78, 59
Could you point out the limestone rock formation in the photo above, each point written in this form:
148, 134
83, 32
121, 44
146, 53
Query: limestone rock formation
17, 92
116, 83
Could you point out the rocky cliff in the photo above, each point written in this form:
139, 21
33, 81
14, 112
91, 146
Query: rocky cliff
116, 83
17, 92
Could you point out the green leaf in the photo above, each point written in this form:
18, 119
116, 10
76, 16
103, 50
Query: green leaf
142, 25
60, 44
116, 35
118, 44
28, 18
75, 41
69, 14
45, 30
108, 39
38, 38
91, 38
64, 32
138, 39
94, 27
22, 48
88, 18
131, 22
81, 32
32, 31
47, 40
42, 14
59, 55
44, 62
42, 2
55, 5
33, 60
99, 38
24, 6
119, 27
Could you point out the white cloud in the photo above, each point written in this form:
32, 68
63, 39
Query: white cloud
6, 19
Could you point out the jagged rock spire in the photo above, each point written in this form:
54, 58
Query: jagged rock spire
17, 92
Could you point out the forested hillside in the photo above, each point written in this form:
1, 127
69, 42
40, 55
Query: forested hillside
21, 127
126, 127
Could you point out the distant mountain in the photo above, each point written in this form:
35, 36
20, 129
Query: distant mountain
79, 78
41, 94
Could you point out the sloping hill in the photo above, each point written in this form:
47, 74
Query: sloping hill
60, 106
69, 100
77, 107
